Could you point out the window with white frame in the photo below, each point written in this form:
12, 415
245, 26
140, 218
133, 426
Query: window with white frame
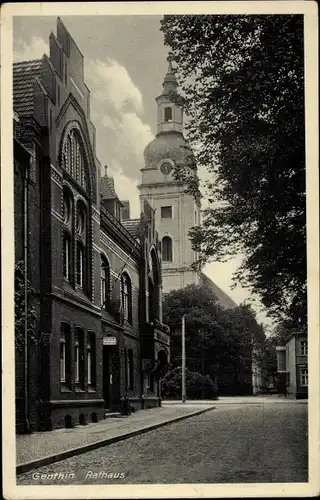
91, 358
65, 355
304, 377
126, 297
304, 348
79, 357
62, 359
105, 282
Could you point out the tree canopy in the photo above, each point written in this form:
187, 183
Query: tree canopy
219, 342
242, 87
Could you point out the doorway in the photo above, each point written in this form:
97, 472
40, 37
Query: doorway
111, 376
106, 377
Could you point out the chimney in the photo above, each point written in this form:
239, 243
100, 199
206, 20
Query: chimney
125, 210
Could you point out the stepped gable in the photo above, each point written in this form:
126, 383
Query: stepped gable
224, 300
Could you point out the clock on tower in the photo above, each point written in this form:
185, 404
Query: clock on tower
166, 167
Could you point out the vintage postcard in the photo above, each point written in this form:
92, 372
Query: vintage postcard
160, 249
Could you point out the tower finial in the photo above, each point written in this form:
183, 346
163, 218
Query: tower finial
106, 170
169, 59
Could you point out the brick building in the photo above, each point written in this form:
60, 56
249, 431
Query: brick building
95, 274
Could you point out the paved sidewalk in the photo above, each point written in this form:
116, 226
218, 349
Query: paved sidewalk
42, 448
235, 400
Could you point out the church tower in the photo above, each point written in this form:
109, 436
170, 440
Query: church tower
169, 160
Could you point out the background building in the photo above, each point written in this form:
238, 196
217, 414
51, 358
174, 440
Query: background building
169, 164
90, 274
292, 359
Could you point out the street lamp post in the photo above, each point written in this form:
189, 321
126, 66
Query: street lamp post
183, 360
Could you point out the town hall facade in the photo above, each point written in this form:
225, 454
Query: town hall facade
92, 333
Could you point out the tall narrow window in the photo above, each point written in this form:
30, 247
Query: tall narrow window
65, 354
66, 255
151, 300
69, 155
126, 297
91, 359
166, 249
130, 369
167, 114
62, 359
304, 348
73, 157
79, 357
80, 259
76, 359
105, 283
304, 377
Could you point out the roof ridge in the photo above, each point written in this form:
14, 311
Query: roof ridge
28, 61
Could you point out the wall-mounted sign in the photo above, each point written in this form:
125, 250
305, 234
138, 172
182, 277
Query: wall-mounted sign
109, 341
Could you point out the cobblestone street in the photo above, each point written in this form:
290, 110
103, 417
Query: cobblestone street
234, 443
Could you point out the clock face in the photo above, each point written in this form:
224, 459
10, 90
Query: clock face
166, 168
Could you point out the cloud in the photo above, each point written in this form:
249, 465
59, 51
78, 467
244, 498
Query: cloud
113, 82
116, 109
34, 49
136, 133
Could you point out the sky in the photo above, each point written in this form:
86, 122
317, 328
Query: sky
125, 62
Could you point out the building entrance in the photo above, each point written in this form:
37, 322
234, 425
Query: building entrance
111, 376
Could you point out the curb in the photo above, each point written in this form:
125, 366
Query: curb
40, 462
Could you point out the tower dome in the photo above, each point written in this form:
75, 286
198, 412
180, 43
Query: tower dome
171, 146
169, 143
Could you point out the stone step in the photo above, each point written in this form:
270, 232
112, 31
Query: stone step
112, 414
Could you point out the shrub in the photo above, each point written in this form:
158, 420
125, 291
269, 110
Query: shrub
197, 386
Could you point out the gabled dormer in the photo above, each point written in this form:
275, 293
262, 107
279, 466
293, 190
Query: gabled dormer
109, 198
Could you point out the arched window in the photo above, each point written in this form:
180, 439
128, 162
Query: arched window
126, 297
166, 249
91, 359
105, 283
167, 114
73, 157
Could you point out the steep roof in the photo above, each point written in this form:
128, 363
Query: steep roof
224, 300
24, 75
107, 188
132, 226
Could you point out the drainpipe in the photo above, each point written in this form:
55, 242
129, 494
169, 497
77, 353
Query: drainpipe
26, 346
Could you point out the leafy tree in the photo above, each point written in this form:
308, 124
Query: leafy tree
219, 342
242, 87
